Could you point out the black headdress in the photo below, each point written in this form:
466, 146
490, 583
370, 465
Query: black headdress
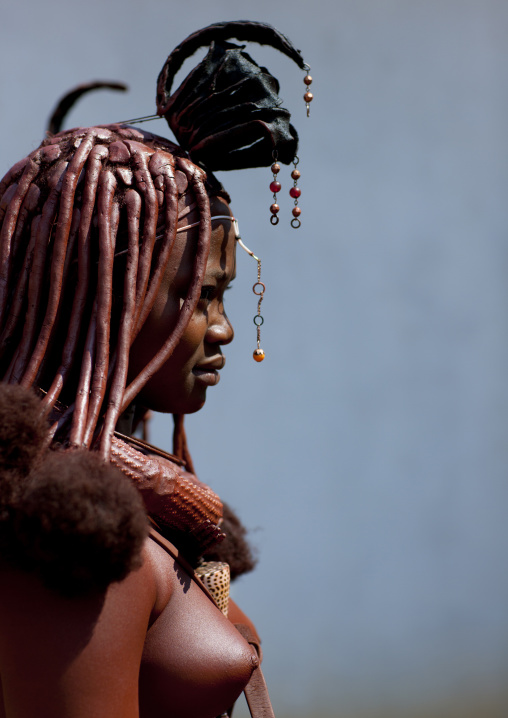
227, 113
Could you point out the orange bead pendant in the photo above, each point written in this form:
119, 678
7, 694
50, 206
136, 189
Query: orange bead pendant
258, 355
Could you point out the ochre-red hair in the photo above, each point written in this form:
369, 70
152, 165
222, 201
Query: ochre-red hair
80, 268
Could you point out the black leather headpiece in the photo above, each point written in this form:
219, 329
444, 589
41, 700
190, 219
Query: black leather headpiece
227, 113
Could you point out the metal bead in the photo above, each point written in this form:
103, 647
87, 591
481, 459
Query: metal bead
308, 97
308, 80
274, 208
275, 168
296, 174
258, 355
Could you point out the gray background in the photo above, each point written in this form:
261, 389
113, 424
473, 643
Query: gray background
368, 452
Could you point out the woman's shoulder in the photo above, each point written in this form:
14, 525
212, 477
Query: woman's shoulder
65, 644
24, 596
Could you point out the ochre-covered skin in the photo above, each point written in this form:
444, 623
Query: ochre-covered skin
156, 623
85, 656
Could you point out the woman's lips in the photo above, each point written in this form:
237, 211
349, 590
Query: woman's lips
207, 376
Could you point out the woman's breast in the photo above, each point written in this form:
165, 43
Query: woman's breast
195, 663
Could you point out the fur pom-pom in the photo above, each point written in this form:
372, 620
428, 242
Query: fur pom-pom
23, 431
235, 549
67, 516
80, 524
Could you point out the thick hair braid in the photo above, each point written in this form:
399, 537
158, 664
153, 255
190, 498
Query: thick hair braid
80, 221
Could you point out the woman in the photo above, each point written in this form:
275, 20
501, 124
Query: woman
116, 250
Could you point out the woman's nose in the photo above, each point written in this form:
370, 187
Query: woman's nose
220, 329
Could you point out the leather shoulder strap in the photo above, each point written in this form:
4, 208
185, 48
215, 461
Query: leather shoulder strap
256, 691
174, 552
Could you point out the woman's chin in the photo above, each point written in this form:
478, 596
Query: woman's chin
187, 405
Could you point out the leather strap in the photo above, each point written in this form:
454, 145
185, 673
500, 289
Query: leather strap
256, 691
174, 552
256, 694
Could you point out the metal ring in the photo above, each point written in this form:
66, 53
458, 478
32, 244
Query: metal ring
258, 323
298, 223
258, 284
296, 160
274, 219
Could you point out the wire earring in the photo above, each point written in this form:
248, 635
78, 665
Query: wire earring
259, 290
258, 353
275, 187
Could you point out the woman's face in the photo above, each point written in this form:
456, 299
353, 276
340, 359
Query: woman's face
181, 383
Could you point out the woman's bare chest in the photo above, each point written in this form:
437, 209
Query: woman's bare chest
195, 663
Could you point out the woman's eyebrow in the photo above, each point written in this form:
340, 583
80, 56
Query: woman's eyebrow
220, 275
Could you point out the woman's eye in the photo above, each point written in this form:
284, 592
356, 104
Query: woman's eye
207, 293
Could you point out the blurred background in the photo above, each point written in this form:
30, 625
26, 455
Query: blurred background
368, 453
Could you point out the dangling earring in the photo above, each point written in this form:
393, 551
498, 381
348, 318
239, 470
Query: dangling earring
295, 192
259, 290
258, 353
275, 187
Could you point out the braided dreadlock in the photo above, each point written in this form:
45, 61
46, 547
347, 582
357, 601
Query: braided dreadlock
80, 220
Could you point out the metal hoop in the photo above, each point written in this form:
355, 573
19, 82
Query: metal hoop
259, 284
274, 219
258, 323
296, 222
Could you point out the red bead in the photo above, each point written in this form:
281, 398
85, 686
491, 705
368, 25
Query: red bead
296, 211
295, 192
296, 174
308, 97
274, 208
275, 186
275, 168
